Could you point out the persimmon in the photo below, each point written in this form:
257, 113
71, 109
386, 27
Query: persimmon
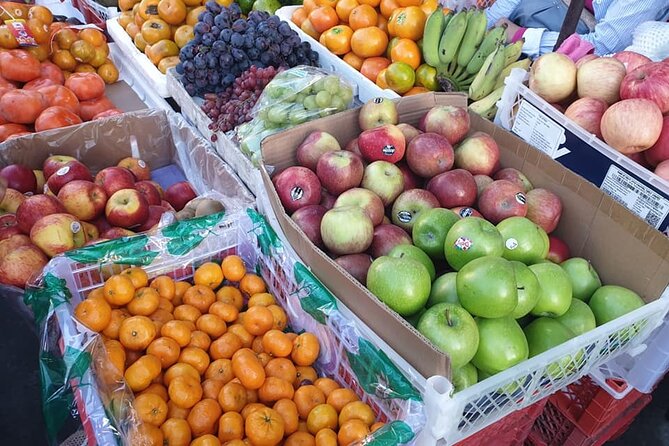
150, 408
177, 330
144, 302
212, 325
90, 109
306, 398
252, 284
300, 439
94, 313
199, 296
281, 368
227, 312
166, 349
353, 60
211, 387
137, 276
372, 66
344, 8
352, 431
230, 427
208, 274
339, 398
323, 18
199, 339
203, 417
165, 287
63, 97
232, 397
176, 432
230, 295
220, 370
407, 51
261, 299
369, 42
155, 29
19, 65
288, 411
187, 312
298, 16
172, 11
137, 332
264, 427
225, 346
185, 391
274, 389
258, 320
156, 389
309, 5
305, 349
86, 86
362, 16
326, 437
140, 374
56, 117
357, 410
196, 357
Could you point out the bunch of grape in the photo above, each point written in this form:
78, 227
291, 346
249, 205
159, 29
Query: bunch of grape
233, 107
226, 45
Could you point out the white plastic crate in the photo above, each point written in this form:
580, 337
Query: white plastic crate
366, 89
528, 116
137, 61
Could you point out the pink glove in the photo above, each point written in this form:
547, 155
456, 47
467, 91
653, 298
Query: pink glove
575, 47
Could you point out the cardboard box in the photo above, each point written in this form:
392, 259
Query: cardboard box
624, 249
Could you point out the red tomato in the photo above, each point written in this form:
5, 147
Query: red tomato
56, 117
51, 71
107, 114
59, 95
92, 108
19, 65
22, 106
7, 130
86, 86
38, 83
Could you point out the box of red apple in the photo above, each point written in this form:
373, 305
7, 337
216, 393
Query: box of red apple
105, 179
484, 263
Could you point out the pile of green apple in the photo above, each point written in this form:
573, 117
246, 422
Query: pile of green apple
460, 248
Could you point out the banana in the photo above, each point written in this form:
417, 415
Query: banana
452, 36
434, 28
513, 51
524, 64
484, 82
486, 105
492, 39
476, 27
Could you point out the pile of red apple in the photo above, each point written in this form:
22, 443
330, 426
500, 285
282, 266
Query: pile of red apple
619, 99
427, 220
63, 206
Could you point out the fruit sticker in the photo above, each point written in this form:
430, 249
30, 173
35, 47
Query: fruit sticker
463, 243
511, 244
296, 193
404, 216
22, 34
466, 212
75, 227
62, 171
388, 150
520, 198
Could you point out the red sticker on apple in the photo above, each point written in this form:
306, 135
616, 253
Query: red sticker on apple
463, 243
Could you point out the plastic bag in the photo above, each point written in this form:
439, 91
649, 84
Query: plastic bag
83, 399
652, 40
293, 97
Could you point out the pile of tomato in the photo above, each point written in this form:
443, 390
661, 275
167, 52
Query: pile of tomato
379, 38
208, 369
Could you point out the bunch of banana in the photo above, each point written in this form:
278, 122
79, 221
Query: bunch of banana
468, 58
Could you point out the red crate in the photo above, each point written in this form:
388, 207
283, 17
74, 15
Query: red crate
511, 430
584, 414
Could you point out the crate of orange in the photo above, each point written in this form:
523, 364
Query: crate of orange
209, 333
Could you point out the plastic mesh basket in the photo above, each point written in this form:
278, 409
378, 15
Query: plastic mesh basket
95, 13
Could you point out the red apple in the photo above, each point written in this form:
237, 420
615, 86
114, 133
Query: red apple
502, 199
386, 237
327, 200
466, 211
588, 112
21, 264
385, 143
72, 170
660, 150
429, 154
621, 129
352, 146
560, 107
454, 188
639, 158
447, 120
19, 177
57, 233
356, 265
346, 230
384, 179
179, 194
515, 176
308, 218
36, 207
12, 243
149, 191
411, 180
649, 81
53, 163
339, 171
544, 208
662, 170
409, 131
558, 250
377, 112
83, 199
11, 201
113, 179
482, 181
479, 154
137, 166
409, 204
159, 189
297, 187
155, 213
127, 208
91, 231
115, 232
167, 206
600, 79
8, 226
313, 146
102, 224
366, 200
631, 60
39, 177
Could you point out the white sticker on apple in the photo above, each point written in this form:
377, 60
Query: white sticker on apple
520, 198
141, 164
75, 227
296, 193
62, 171
511, 243
463, 243
404, 216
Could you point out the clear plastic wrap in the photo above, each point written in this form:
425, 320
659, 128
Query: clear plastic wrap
293, 97
82, 398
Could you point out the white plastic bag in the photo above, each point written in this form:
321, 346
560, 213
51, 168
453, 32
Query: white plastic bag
652, 40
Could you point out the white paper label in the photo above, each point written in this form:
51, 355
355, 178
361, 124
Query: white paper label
62, 171
538, 130
511, 244
75, 227
635, 196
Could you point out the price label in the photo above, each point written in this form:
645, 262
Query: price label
538, 130
21, 32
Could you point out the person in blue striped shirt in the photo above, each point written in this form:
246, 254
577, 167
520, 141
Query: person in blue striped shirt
607, 25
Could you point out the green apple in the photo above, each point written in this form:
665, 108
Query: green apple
554, 290
430, 229
578, 318
524, 241
611, 301
502, 344
508, 389
583, 277
471, 238
402, 284
525, 320
452, 330
463, 377
527, 287
486, 287
414, 318
443, 290
414, 252
545, 333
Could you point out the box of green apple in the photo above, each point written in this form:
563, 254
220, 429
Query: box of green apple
500, 275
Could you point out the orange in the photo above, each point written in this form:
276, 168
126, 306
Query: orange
274, 389
137, 332
180, 369
164, 304
357, 410
94, 313
309, 5
199, 339
199, 296
185, 391
225, 346
150, 408
212, 325
174, 411
116, 355
323, 18
227, 312
362, 16
172, 11
300, 439
179, 290
166, 349
326, 437
305, 349
405, 3
140, 374
203, 417
406, 50
157, 389
320, 417
306, 398
339, 398
165, 287
196, 357
264, 427
118, 290
407, 23
429, 6
248, 369
400, 77
281, 368
338, 39
176, 432
252, 284
264, 358
382, 23
369, 42
372, 3
146, 435
262, 299
233, 267
376, 426
230, 427
299, 15
381, 81
280, 317
327, 385
177, 330
220, 370
230, 295
372, 66
305, 374
137, 276
256, 345
277, 344
144, 303
232, 397
344, 8
251, 396
193, 14
288, 412
208, 274
352, 431
131, 356
206, 440
160, 317
387, 7
331, 3
353, 60
258, 320
242, 334
186, 312
211, 387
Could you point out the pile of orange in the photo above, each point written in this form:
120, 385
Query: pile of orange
208, 369
379, 38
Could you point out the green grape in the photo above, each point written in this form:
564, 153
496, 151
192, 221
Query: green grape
338, 103
346, 93
325, 112
277, 114
298, 116
310, 102
318, 85
331, 84
323, 99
